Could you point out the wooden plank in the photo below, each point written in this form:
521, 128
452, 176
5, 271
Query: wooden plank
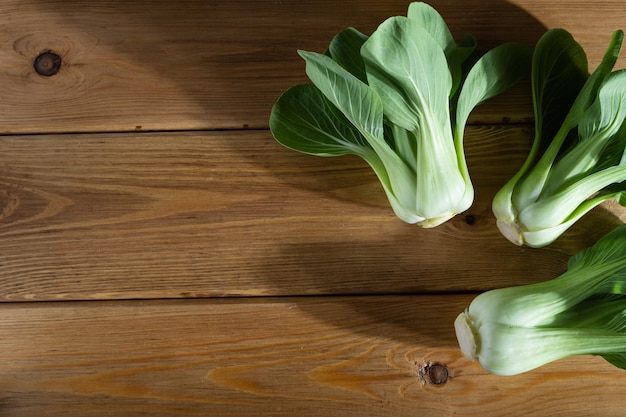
158, 65
167, 215
352, 356
231, 213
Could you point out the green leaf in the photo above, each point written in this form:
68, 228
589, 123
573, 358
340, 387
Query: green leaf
559, 72
459, 63
621, 197
601, 138
304, 120
609, 249
351, 96
430, 20
598, 311
533, 185
585, 98
605, 116
494, 72
615, 152
408, 70
363, 108
616, 359
345, 49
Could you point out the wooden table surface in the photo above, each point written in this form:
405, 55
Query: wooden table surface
162, 255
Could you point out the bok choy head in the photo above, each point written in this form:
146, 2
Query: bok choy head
578, 158
583, 311
400, 100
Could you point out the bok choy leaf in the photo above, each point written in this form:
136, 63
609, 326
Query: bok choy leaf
400, 100
578, 158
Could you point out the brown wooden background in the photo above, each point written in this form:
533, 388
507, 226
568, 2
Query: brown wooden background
162, 255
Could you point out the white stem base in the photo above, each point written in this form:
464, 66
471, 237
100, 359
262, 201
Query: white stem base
465, 336
511, 231
436, 221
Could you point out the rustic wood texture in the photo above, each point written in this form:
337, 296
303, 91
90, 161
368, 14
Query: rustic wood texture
162, 255
354, 356
158, 65
234, 213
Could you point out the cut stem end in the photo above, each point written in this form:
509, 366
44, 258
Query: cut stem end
465, 336
511, 231
436, 221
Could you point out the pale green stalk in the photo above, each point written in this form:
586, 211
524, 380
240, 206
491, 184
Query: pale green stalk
583, 311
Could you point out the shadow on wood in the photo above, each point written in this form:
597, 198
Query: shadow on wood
194, 64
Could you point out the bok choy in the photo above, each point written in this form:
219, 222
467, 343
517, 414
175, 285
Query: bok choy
400, 100
583, 311
578, 158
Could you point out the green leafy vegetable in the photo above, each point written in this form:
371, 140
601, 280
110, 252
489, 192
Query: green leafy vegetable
578, 158
400, 100
583, 311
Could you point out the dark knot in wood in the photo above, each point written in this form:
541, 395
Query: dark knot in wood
433, 373
438, 374
47, 63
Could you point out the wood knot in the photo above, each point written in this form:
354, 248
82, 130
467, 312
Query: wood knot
434, 373
9, 203
470, 219
47, 63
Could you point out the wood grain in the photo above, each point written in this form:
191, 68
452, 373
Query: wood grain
234, 213
158, 65
354, 356
144, 170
